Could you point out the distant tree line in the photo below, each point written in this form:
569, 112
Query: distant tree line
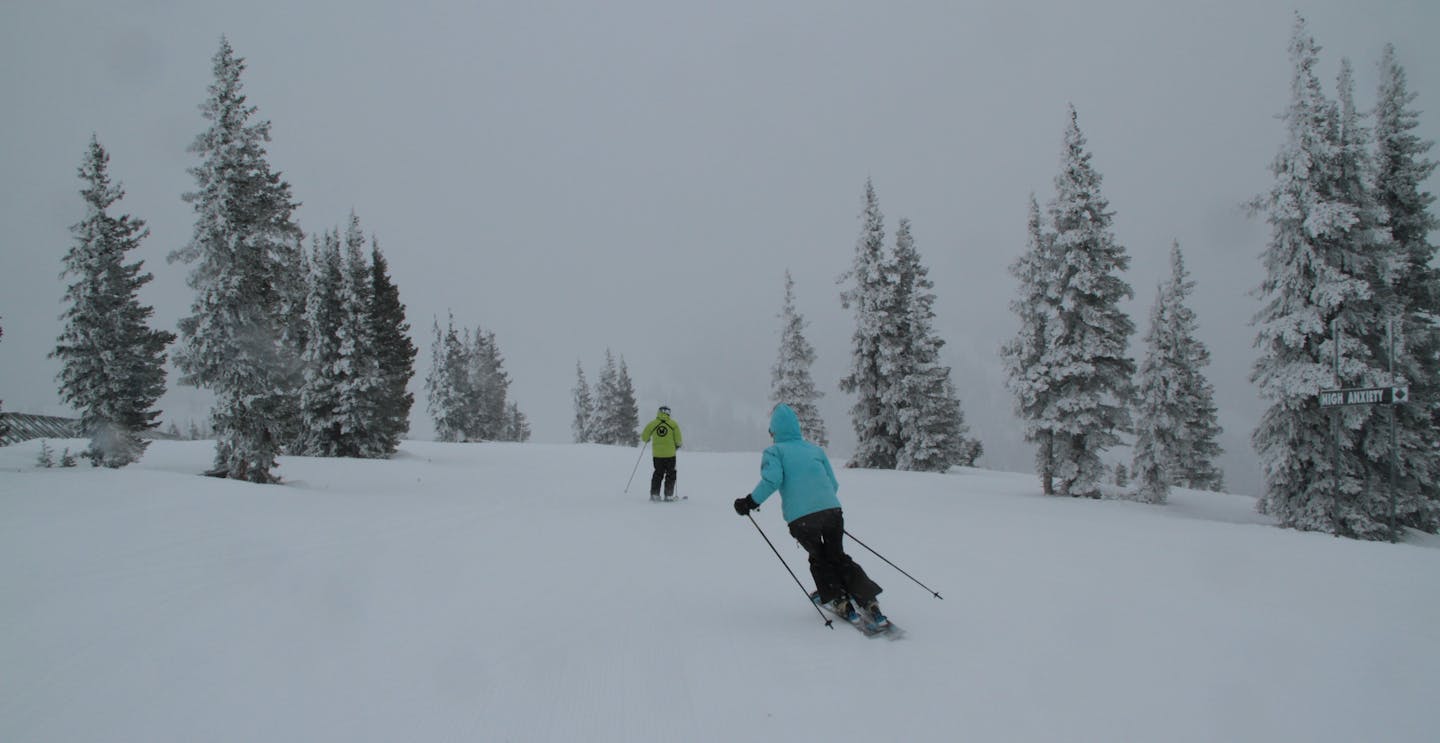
607, 413
468, 388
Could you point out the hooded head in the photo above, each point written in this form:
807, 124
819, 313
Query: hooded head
784, 425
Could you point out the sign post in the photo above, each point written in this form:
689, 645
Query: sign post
1390, 396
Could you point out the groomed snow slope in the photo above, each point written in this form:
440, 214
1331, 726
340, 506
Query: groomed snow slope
514, 593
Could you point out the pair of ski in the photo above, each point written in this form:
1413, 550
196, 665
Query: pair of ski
863, 621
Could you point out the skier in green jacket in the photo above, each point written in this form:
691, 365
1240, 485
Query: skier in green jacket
665, 433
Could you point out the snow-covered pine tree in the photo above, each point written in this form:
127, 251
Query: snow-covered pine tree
1196, 462
1401, 170
607, 405
489, 387
1176, 418
394, 352
113, 363
447, 384
361, 386
1158, 413
292, 288
790, 380
234, 341
324, 313
872, 298
919, 397
582, 425
1314, 479
627, 422
1027, 376
1380, 263
616, 417
517, 426
1086, 345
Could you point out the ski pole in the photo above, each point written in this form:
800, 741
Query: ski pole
827, 620
893, 565
636, 468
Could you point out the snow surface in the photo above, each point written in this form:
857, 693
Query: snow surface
514, 592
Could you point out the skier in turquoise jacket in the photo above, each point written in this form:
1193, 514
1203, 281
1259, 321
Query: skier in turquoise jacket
802, 474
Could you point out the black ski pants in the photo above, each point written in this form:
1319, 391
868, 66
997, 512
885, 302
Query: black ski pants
835, 573
664, 470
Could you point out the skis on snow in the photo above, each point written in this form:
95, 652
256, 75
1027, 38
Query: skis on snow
863, 622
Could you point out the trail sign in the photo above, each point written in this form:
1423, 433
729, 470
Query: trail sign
1364, 396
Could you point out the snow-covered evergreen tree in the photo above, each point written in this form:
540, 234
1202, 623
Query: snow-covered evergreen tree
394, 352
871, 295
790, 380
616, 417
324, 314
1401, 170
489, 387
1029, 378
361, 386
1158, 413
1085, 347
292, 289
234, 342
1176, 419
582, 425
1314, 276
920, 397
113, 363
447, 384
1380, 263
468, 387
517, 426
607, 402
627, 409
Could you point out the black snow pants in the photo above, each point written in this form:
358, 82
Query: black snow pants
835, 573
664, 470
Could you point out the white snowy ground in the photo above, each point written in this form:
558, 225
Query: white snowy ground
515, 593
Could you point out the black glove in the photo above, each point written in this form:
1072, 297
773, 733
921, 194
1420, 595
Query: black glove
744, 506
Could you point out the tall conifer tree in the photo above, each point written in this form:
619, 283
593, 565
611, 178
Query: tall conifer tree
1401, 170
1085, 348
394, 352
790, 380
447, 383
1176, 428
920, 397
243, 253
361, 386
112, 362
1314, 279
582, 426
870, 295
1028, 377
324, 313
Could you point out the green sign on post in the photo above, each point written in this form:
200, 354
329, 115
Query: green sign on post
1364, 396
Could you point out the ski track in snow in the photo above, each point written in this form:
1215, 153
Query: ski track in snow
514, 592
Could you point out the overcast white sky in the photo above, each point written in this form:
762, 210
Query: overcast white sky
638, 175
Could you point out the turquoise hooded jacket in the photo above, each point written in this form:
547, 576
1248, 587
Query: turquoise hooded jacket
797, 468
